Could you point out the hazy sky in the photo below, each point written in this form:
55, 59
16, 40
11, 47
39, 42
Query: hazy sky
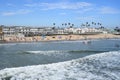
46, 12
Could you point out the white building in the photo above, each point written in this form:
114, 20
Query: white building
8, 31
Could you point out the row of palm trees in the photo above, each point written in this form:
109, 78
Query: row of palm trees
66, 24
87, 24
93, 24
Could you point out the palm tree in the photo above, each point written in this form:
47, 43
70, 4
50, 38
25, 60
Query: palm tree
102, 27
62, 24
72, 25
54, 24
92, 24
100, 24
65, 24
53, 28
86, 24
95, 24
69, 24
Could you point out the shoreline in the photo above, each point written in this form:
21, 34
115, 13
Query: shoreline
53, 38
56, 41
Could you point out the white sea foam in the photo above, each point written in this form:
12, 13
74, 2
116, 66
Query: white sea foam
50, 53
44, 52
103, 66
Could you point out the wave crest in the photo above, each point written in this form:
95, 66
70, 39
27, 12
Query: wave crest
61, 52
103, 66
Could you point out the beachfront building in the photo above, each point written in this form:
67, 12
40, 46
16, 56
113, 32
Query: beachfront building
23, 31
60, 31
8, 31
13, 31
48, 31
84, 30
90, 31
69, 30
34, 31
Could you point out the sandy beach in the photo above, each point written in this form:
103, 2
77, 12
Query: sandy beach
60, 37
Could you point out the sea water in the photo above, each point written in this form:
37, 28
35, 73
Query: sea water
63, 60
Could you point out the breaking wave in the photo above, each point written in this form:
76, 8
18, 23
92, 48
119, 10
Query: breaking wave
44, 52
51, 52
103, 66
61, 52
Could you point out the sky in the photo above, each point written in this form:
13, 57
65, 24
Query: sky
47, 12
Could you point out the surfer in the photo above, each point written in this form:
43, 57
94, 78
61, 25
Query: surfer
86, 42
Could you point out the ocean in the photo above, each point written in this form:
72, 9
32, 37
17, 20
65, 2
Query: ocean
61, 60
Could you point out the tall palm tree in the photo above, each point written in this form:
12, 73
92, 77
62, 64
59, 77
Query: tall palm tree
92, 24
65, 24
95, 24
62, 24
69, 24
54, 24
72, 25
100, 25
86, 24
53, 28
